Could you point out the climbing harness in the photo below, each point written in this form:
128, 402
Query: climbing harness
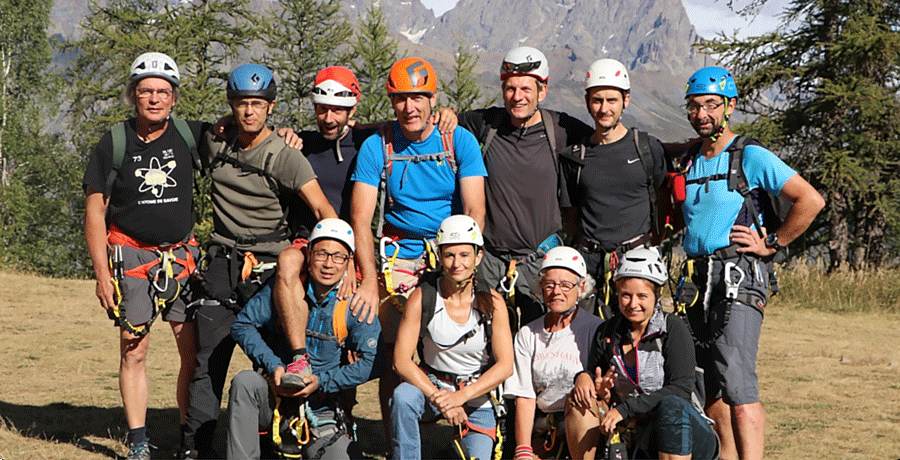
164, 282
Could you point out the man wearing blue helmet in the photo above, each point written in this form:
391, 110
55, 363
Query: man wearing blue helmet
727, 249
253, 173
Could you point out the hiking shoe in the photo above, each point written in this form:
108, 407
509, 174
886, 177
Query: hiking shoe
139, 451
296, 372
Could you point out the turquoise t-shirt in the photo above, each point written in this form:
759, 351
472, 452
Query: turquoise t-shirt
710, 213
424, 193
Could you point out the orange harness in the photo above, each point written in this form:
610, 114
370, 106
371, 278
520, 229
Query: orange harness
116, 237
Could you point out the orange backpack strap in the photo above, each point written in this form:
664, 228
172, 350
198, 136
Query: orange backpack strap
447, 140
339, 321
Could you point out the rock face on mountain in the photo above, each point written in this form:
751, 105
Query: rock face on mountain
648, 35
409, 18
653, 38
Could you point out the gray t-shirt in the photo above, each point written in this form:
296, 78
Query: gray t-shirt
521, 188
244, 205
611, 197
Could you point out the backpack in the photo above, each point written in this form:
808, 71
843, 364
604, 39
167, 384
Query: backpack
118, 144
575, 154
387, 147
774, 208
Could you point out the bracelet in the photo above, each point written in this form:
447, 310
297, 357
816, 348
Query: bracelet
524, 452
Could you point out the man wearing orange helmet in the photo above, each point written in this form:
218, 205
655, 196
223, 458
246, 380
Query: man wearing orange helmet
424, 177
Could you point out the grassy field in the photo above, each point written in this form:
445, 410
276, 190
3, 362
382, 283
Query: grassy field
830, 375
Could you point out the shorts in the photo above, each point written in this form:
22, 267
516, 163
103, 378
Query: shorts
730, 363
136, 304
391, 308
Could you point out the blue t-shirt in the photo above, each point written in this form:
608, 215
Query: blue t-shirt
709, 215
423, 193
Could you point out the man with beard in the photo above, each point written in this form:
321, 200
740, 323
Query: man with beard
728, 248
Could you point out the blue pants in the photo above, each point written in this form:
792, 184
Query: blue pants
679, 429
409, 407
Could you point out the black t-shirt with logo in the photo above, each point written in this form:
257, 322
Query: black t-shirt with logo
152, 197
612, 200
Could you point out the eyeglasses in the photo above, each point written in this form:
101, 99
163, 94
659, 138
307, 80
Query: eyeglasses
256, 105
523, 67
338, 257
564, 286
694, 108
145, 93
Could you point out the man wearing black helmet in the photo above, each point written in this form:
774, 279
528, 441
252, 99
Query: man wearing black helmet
253, 171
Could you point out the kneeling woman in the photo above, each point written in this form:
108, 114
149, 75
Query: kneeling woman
465, 351
641, 365
549, 352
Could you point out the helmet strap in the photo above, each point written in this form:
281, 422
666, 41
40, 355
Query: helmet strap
724, 124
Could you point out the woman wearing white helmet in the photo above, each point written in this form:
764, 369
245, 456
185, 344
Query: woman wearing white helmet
549, 352
642, 367
465, 351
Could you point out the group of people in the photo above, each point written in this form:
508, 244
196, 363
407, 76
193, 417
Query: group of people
510, 248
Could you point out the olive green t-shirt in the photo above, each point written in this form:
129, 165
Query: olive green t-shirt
244, 204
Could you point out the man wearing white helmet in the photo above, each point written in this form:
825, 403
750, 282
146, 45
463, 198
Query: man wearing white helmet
520, 142
550, 351
139, 214
258, 331
611, 179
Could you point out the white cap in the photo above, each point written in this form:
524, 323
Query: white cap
525, 60
154, 65
459, 229
607, 72
565, 257
335, 229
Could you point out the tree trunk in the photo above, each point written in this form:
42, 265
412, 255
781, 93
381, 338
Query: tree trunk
839, 244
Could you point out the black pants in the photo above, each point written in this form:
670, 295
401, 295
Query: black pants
214, 350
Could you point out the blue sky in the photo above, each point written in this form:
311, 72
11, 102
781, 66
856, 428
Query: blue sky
709, 17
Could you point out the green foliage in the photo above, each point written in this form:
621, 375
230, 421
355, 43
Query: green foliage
39, 189
462, 92
375, 52
301, 38
835, 117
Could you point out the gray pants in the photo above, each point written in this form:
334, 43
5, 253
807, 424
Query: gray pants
493, 268
250, 409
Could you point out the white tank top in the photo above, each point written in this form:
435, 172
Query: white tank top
446, 347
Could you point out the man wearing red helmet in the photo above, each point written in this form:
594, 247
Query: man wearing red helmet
424, 177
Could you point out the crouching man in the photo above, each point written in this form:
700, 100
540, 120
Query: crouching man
258, 402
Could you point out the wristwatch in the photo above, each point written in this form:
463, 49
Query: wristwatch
772, 240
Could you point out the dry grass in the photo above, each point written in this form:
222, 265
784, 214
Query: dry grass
829, 380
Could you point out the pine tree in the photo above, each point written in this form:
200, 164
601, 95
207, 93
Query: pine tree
835, 115
301, 38
462, 92
40, 193
375, 53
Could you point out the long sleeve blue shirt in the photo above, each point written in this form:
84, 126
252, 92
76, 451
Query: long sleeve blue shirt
257, 331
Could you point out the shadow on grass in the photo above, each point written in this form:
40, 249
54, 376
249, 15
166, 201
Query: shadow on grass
81, 426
